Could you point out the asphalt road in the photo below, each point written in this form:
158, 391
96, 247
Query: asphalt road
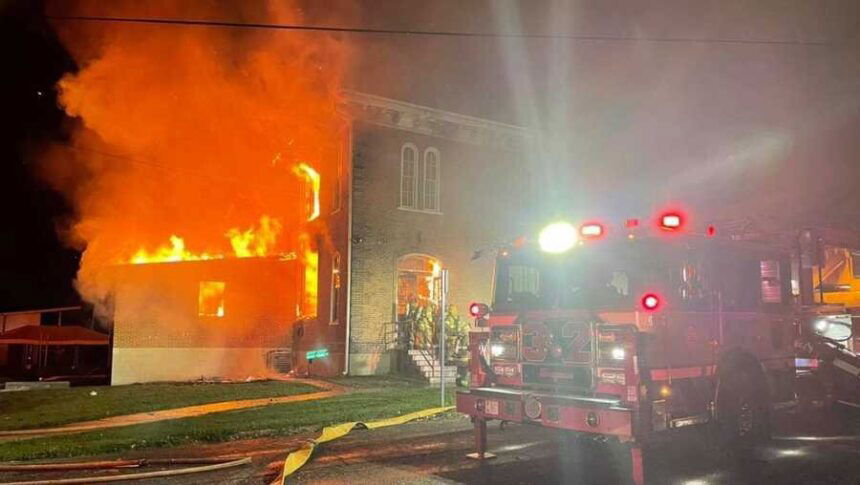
818, 450
821, 449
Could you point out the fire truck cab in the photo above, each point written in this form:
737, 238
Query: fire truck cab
613, 333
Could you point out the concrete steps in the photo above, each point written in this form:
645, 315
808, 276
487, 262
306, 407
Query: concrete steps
429, 367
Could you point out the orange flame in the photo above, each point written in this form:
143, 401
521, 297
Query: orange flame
246, 244
310, 260
251, 243
185, 137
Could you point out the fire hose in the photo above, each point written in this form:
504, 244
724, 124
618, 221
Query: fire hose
299, 457
219, 464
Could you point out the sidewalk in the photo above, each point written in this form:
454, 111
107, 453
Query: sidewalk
328, 390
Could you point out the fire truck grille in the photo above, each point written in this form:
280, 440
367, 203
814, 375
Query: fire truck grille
578, 376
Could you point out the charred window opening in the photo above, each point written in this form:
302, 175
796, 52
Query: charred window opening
210, 300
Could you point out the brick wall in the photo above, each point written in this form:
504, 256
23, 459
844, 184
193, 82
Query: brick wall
159, 335
482, 195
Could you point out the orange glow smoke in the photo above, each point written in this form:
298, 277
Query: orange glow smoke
187, 141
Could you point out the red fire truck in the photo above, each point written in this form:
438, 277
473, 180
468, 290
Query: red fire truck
634, 331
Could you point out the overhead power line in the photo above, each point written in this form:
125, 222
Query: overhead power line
432, 33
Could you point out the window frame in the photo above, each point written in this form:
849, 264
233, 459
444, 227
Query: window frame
855, 268
414, 183
337, 195
437, 180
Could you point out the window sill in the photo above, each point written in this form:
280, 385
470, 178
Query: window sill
421, 211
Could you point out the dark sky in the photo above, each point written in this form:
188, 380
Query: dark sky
35, 269
732, 129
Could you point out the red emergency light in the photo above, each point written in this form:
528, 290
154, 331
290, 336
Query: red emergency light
711, 231
591, 230
671, 221
650, 302
479, 310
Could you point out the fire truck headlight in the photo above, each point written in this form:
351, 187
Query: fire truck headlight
497, 350
822, 325
618, 353
557, 238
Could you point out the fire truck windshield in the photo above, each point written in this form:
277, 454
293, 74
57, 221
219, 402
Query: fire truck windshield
584, 278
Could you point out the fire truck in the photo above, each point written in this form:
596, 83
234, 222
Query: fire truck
637, 330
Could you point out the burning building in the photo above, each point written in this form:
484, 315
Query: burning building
239, 209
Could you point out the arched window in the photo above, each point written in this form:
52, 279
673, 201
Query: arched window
409, 176
431, 180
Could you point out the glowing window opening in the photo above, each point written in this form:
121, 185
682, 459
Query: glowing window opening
335, 288
312, 177
310, 278
210, 299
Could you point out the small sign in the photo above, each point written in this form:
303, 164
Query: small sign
316, 354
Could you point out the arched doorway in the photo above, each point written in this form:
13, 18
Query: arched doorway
418, 298
418, 283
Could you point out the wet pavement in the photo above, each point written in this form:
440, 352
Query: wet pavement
823, 449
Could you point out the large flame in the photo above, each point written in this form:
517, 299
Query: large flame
310, 261
246, 244
193, 143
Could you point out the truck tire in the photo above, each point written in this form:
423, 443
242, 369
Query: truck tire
742, 407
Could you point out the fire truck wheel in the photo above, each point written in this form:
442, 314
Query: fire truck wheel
742, 407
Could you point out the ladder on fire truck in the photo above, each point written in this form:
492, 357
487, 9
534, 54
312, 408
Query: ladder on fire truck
837, 367
834, 363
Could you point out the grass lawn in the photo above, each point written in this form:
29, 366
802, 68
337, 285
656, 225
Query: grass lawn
274, 420
39, 409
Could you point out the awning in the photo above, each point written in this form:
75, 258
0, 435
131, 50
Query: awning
50, 335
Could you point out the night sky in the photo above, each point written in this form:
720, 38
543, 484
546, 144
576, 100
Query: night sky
36, 270
737, 129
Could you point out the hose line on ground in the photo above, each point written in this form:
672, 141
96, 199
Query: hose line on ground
119, 464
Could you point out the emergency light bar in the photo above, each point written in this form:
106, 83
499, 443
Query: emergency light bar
671, 221
591, 230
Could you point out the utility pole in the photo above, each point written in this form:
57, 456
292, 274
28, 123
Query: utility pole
443, 310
